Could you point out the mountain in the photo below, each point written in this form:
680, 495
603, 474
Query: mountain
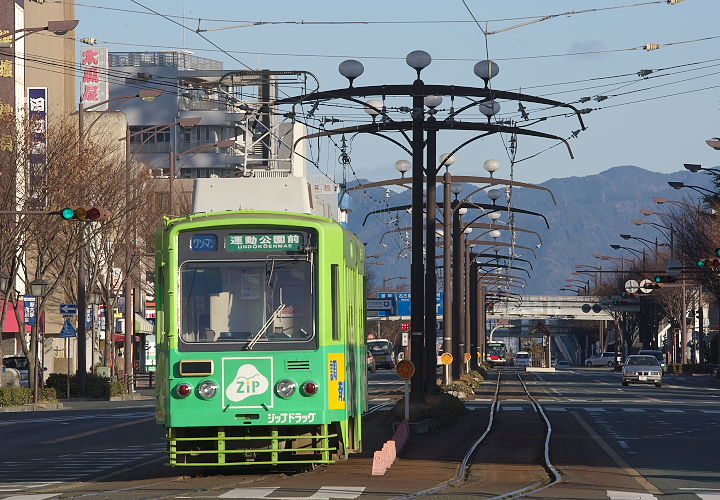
590, 214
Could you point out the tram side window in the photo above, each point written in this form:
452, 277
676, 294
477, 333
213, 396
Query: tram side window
335, 284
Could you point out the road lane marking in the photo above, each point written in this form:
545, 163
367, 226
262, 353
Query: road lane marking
98, 430
671, 410
629, 495
644, 483
634, 410
513, 408
324, 493
32, 497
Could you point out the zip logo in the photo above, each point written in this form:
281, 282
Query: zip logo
247, 382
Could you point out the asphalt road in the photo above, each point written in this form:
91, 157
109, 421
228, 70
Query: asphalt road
608, 442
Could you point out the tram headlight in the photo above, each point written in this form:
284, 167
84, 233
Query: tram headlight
285, 388
207, 389
183, 390
309, 388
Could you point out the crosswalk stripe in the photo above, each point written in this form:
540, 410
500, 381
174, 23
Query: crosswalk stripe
671, 410
324, 493
634, 410
629, 495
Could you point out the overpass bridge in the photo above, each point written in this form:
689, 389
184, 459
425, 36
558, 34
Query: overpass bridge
557, 307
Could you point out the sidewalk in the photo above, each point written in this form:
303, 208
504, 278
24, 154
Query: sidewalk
141, 397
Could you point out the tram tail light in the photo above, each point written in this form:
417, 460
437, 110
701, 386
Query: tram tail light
310, 388
183, 390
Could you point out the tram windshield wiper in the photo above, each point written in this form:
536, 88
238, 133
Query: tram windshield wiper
265, 326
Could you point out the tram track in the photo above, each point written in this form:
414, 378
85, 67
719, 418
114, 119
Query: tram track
467, 477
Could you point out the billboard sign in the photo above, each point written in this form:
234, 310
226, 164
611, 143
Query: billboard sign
94, 85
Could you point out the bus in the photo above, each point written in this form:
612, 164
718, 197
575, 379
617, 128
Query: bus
496, 353
261, 354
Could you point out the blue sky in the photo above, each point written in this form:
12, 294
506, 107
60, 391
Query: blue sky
659, 134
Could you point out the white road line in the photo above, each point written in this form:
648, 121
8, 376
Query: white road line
634, 410
710, 411
513, 408
324, 493
32, 497
629, 495
671, 410
555, 408
594, 410
624, 444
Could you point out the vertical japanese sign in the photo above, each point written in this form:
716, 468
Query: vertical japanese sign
94, 87
29, 303
38, 120
8, 83
337, 387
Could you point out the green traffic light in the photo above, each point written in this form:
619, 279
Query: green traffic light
717, 252
701, 263
68, 213
658, 279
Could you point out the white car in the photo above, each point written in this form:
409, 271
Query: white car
522, 358
604, 359
642, 369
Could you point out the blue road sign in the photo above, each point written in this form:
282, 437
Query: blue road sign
402, 302
68, 309
68, 330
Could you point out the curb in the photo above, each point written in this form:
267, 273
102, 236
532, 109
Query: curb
383, 459
37, 407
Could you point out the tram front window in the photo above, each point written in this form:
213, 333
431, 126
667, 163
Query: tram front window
252, 303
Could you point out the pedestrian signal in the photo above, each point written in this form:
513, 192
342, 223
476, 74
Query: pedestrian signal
85, 213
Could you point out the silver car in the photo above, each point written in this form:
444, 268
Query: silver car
642, 369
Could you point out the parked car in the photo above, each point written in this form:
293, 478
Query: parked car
372, 367
658, 355
604, 359
562, 365
522, 358
20, 363
642, 369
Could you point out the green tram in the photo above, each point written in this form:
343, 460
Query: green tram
261, 339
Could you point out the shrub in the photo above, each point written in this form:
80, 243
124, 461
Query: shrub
443, 408
95, 386
15, 396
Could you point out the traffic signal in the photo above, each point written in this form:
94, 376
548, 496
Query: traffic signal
708, 262
665, 279
86, 213
405, 327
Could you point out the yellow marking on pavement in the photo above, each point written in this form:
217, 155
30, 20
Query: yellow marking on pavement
622, 464
99, 429
656, 400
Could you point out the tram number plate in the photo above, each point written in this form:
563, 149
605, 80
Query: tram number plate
291, 418
642, 378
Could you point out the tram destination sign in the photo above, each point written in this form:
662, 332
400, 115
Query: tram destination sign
262, 242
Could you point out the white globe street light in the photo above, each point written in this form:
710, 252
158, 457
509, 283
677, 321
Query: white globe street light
402, 166
491, 166
486, 70
446, 159
418, 60
495, 233
373, 107
494, 215
494, 195
468, 230
456, 188
432, 101
489, 108
462, 210
351, 69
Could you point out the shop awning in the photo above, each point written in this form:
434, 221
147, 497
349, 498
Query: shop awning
10, 324
143, 326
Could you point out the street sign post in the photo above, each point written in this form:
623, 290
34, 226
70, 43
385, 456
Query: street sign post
646, 286
406, 369
631, 286
68, 330
446, 358
68, 309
